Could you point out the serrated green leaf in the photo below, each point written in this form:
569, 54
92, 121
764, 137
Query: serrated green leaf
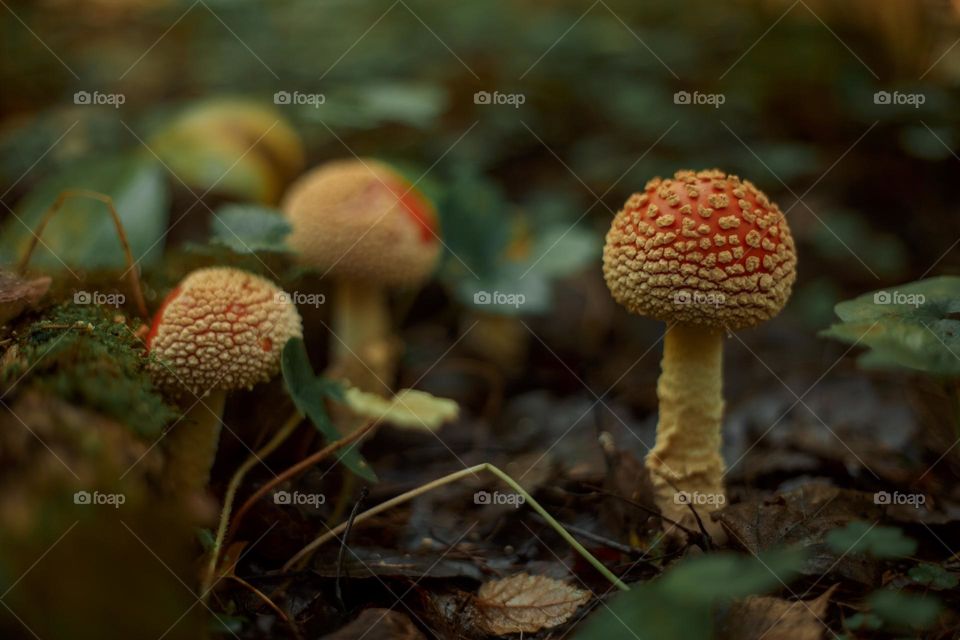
82, 233
912, 326
860, 537
905, 609
250, 229
308, 392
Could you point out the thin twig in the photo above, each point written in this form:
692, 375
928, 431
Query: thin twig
297, 468
121, 233
302, 555
279, 438
346, 536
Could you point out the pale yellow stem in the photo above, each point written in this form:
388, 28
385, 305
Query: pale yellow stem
363, 350
685, 464
192, 445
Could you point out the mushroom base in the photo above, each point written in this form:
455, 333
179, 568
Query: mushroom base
192, 445
685, 465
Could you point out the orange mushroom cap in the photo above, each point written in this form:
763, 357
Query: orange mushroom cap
701, 248
361, 220
221, 329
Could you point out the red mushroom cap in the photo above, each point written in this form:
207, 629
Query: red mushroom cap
701, 248
221, 329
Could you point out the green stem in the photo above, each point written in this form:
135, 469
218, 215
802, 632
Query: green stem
304, 553
279, 438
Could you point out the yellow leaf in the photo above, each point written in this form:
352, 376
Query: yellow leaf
409, 409
526, 604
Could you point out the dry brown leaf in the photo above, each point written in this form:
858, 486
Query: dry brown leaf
17, 294
776, 619
378, 623
526, 604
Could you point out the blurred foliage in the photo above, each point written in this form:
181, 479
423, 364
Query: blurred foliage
680, 604
250, 229
398, 81
912, 326
860, 537
82, 233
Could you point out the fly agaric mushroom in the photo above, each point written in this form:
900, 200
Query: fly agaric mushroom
704, 252
220, 329
366, 226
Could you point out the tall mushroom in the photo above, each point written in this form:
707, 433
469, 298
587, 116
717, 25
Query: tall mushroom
219, 330
363, 224
704, 252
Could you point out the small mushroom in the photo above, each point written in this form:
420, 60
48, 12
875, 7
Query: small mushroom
704, 252
361, 223
219, 330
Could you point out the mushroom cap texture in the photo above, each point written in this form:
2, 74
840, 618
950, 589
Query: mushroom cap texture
701, 248
361, 220
221, 329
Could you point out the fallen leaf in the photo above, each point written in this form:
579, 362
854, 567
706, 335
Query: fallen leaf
378, 623
18, 294
777, 619
526, 604
408, 409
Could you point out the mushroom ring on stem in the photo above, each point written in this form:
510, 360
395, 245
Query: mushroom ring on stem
705, 252
219, 330
361, 223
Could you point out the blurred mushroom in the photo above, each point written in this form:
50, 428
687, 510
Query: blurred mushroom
363, 224
220, 329
704, 252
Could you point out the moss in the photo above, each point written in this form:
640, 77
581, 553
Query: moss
89, 356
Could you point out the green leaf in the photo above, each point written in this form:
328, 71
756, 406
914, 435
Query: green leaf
863, 621
222, 623
933, 576
205, 537
308, 392
646, 613
905, 609
249, 229
860, 537
727, 576
82, 233
912, 326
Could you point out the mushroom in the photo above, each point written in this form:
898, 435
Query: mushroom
705, 252
219, 330
366, 226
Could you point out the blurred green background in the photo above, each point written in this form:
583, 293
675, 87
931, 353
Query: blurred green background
868, 186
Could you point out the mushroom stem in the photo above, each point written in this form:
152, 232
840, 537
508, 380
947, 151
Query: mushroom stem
685, 465
192, 444
363, 349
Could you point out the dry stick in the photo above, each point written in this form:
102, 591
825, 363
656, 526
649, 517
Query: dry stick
279, 438
297, 468
121, 233
304, 553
